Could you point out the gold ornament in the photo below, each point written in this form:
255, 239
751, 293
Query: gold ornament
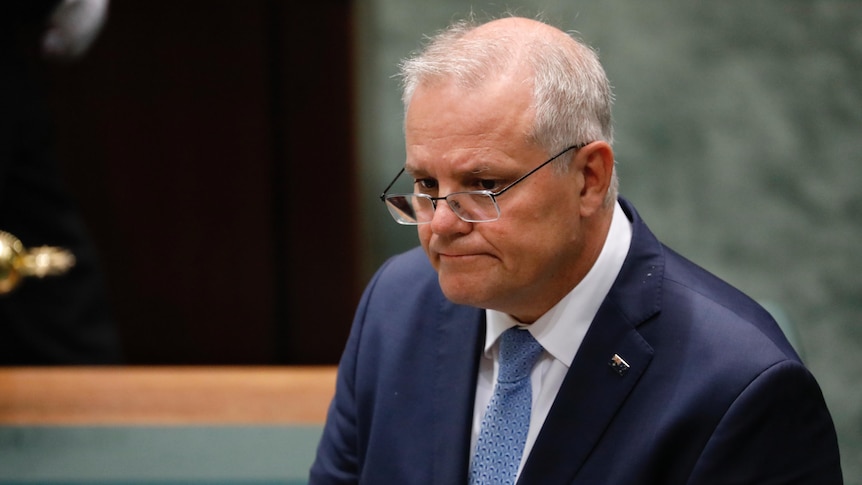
17, 262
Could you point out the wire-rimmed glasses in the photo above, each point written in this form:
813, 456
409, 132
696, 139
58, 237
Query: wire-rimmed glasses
470, 206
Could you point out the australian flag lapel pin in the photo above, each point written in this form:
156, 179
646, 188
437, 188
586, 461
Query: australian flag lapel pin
619, 365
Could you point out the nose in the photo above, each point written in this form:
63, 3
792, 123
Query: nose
445, 221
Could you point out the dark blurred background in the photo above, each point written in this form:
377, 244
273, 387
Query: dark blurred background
209, 146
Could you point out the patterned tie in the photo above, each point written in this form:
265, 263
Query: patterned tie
507, 419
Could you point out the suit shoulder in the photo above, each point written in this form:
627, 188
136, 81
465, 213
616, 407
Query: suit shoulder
719, 303
408, 269
404, 283
687, 274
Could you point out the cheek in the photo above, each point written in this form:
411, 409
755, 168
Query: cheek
539, 239
544, 219
424, 233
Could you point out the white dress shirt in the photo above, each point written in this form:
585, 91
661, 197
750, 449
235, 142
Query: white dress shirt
560, 331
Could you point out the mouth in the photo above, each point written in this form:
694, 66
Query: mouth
455, 256
449, 254
460, 258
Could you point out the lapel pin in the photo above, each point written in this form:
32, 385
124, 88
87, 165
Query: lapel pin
618, 365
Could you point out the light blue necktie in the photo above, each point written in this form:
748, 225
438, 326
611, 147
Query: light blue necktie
507, 419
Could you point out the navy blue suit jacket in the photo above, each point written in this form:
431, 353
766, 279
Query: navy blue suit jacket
714, 394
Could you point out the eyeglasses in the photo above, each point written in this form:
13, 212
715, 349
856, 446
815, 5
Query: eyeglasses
470, 206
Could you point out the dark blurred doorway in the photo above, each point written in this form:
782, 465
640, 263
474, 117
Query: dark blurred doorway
209, 144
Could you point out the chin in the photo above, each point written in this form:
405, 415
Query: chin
463, 292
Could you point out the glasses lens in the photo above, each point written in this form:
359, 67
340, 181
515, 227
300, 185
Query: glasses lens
474, 206
419, 209
410, 209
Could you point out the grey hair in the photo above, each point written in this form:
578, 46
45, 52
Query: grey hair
571, 94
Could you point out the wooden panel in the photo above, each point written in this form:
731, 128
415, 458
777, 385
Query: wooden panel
165, 395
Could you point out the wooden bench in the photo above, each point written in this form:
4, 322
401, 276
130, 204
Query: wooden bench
169, 425
165, 395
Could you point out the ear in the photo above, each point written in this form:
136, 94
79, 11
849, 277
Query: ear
596, 165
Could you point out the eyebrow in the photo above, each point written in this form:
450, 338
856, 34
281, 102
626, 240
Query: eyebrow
414, 171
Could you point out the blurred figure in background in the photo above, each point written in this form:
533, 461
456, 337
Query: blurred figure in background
59, 319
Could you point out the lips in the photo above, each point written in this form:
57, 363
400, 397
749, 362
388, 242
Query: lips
455, 255
461, 258
457, 252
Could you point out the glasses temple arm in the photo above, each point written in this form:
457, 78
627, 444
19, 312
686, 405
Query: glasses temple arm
531, 172
383, 195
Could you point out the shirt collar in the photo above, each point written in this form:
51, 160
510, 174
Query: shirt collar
562, 328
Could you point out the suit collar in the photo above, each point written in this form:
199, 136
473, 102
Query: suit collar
637, 290
592, 391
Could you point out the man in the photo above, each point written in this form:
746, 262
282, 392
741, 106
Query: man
649, 370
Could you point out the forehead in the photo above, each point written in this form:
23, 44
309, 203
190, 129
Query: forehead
468, 127
454, 106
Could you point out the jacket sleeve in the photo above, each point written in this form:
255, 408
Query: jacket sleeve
777, 431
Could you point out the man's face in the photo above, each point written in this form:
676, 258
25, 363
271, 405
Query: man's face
528, 259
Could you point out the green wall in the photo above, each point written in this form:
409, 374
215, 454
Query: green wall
156, 455
739, 137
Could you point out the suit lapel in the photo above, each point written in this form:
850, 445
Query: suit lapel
589, 397
460, 338
593, 390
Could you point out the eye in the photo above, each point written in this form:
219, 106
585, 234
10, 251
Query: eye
425, 185
488, 184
